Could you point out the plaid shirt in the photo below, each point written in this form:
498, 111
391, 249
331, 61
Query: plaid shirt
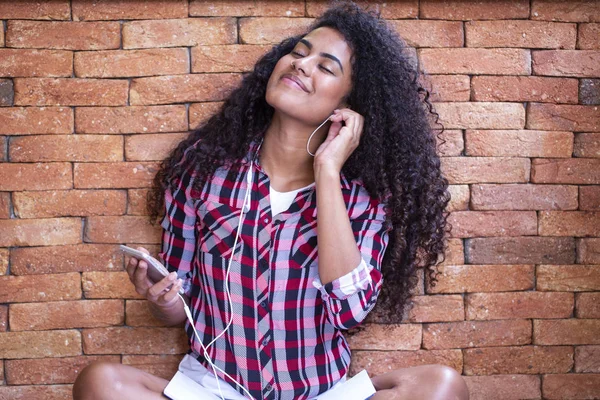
285, 341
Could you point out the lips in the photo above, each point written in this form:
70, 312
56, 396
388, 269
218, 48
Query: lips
297, 80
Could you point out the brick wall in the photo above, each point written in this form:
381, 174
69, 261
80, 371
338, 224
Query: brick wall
92, 96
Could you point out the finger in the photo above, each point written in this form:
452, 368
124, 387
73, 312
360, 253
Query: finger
171, 296
131, 267
156, 289
140, 275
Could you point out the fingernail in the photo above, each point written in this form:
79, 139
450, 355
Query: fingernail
172, 276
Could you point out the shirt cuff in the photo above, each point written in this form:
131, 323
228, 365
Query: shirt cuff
346, 285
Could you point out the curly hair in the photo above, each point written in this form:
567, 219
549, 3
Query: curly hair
398, 145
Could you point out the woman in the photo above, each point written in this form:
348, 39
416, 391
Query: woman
330, 121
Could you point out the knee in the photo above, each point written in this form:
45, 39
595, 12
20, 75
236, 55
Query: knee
94, 380
450, 382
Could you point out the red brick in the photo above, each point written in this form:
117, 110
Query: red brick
523, 250
428, 33
563, 117
36, 176
483, 278
481, 115
566, 331
525, 88
201, 112
527, 34
440, 308
63, 35
230, 58
164, 365
46, 392
35, 121
108, 285
66, 315
518, 360
182, 88
137, 313
459, 198
504, 387
588, 37
568, 278
65, 148
467, 224
569, 223
588, 251
518, 143
388, 10
571, 386
128, 9
4, 255
134, 341
4, 205
42, 204
510, 305
71, 92
447, 87
578, 63
51, 287
131, 119
485, 169
3, 320
238, 8
585, 171
114, 175
131, 63
455, 252
523, 197
468, 334
572, 11
151, 147
25, 62
3, 145
269, 30
121, 229
467, 10
179, 32
387, 337
587, 359
587, 145
450, 143
475, 61
40, 232
40, 344
54, 10
380, 362
137, 202
50, 370
587, 305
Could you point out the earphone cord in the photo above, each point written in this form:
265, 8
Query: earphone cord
311, 135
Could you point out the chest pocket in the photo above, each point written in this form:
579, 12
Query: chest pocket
218, 224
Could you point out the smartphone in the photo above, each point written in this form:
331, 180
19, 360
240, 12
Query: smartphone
156, 271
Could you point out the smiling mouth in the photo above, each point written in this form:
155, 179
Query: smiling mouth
291, 82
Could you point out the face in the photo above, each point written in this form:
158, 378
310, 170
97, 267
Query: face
319, 80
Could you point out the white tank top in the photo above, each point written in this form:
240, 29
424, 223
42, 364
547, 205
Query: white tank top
281, 201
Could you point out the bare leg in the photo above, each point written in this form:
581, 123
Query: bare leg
104, 381
425, 382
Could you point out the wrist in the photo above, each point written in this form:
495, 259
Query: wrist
327, 175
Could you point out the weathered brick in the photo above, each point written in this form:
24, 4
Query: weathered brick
450, 143
587, 359
70, 92
504, 387
114, 175
569, 223
518, 143
461, 170
128, 9
566, 331
36, 176
568, 278
201, 112
182, 88
515, 33
483, 278
25, 63
388, 10
239, 8
440, 308
519, 360
571, 386
572, 11
459, 198
583, 171
46, 392
65, 148
589, 91
475, 61
468, 334
467, 224
61, 259
121, 229
50, 370
4, 256
387, 337
66, 315
523, 250
428, 33
131, 119
179, 32
3, 319
137, 313
64, 203
268, 30
563, 117
447, 87
380, 362
163, 365
7, 92
230, 58
588, 37
151, 147
36, 121
63, 35
511, 305
468, 10
4, 205
578, 63
455, 252
587, 145
54, 10
524, 88
51, 287
40, 344
108, 285
587, 305
482, 115
588, 251
134, 341
137, 201
40, 232
523, 197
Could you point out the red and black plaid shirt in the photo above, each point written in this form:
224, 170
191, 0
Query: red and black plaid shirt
285, 340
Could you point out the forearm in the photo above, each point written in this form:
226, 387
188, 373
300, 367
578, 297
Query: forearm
171, 315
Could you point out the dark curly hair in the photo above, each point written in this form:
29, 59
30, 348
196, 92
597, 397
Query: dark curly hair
396, 159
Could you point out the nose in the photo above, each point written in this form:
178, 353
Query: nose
302, 64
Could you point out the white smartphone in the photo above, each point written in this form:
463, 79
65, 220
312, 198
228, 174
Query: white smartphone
156, 271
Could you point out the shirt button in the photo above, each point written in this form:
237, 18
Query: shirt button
263, 304
265, 341
266, 220
268, 387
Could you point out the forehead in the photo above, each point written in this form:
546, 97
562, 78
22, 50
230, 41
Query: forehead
329, 40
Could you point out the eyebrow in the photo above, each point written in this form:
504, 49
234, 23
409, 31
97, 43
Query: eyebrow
327, 55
